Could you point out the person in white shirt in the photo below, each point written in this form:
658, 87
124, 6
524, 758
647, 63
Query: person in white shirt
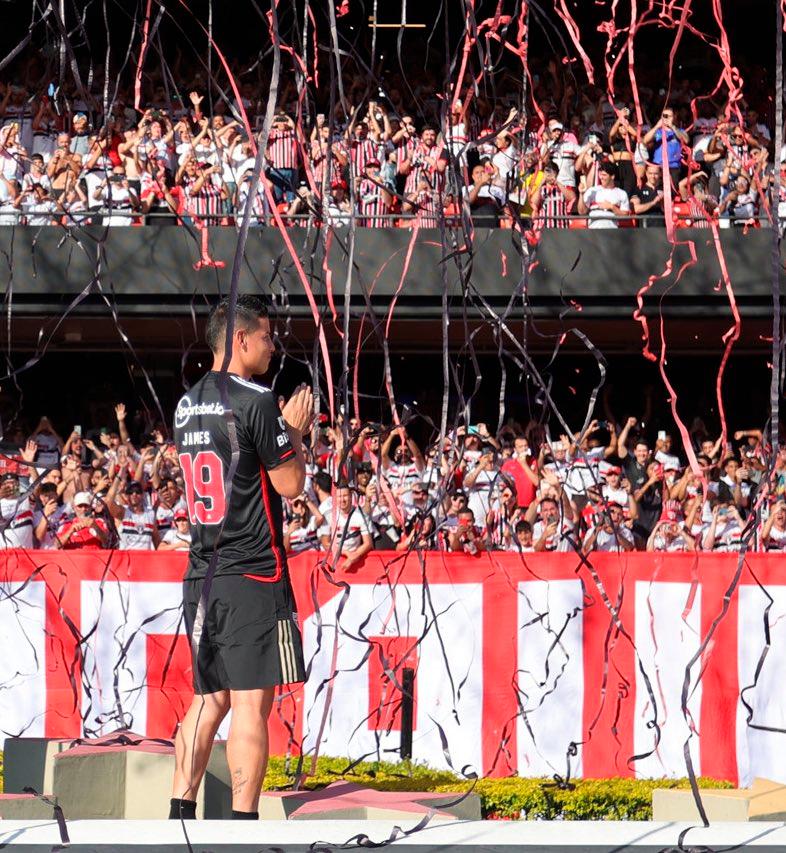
346, 531
118, 198
522, 541
733, 486
135, 523
725, 530
610, 533
606, 201
669, 534
406, 466
563, 152
551, 517
504, 161
36, 175
613, 490
479, 482
16, 516
663, 452
773, 534
37, 206
178, 537
302, 530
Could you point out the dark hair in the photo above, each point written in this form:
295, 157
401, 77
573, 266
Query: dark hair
523, 527
551, 166
249, 308
47, 489
609, 168
322, 481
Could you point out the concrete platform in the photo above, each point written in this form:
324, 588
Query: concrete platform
25, 807
304, 837
29, 762
348, 801
765, 800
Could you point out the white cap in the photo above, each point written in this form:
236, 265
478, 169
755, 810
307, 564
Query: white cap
82, 499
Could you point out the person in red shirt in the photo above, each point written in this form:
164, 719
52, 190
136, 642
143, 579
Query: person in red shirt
84, 531
523, 470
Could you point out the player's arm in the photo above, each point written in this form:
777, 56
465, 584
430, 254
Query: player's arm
278, 435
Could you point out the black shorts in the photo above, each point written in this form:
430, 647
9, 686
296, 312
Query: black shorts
250, 638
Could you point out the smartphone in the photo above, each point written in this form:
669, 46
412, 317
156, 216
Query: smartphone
78, 429
661, 435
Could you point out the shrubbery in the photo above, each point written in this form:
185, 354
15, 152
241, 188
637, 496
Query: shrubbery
533, 799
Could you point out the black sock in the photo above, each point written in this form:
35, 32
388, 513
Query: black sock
245, 815
182, 808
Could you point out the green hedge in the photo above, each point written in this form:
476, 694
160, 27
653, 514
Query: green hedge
534, 799
501, 799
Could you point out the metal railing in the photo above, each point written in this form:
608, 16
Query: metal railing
452, 219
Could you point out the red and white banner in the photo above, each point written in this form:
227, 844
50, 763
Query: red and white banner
538, 666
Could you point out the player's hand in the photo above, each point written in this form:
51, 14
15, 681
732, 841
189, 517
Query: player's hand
298, 411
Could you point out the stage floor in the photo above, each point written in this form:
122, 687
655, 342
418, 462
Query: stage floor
158, 836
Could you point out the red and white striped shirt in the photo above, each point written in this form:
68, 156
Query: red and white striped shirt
424, 164
17, 523
371, 204
360, 152
553, 207
204, 204
136, 530
404, 149
319, 163
282, 149
428, 208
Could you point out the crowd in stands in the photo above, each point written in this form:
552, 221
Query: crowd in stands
612, 488
631, 161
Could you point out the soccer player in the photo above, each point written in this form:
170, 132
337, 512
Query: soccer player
248, 637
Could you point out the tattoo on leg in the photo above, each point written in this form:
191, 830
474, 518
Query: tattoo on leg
238, 782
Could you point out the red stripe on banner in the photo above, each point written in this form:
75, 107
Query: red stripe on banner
63, 661
609, 671
500, 705
720, 684
390, 654
169, 684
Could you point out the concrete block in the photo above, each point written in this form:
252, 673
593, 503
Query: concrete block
764, 800
115, 782
101, 778
217, 785
348, 801
25, 807
28, 762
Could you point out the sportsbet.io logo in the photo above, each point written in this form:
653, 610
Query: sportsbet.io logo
185, 410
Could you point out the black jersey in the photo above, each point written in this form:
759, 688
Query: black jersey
251, 539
